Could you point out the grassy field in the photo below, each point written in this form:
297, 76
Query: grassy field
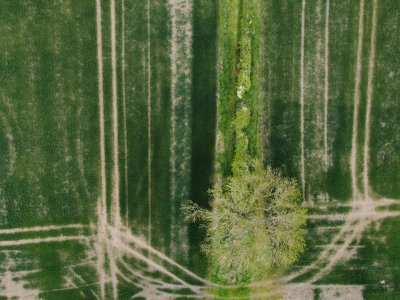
49, 141
324, 67
55, 122
48, 128
385, 111
144, 132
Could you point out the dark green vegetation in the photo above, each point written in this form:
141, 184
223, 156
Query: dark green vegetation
48, 130
385, 173
203, 118
280, 57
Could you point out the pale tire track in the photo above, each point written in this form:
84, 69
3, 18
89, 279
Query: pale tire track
357, 91
43, 240
40, 228
115, 189
115, 213
363, 213
101, 203
371, 68
139, 243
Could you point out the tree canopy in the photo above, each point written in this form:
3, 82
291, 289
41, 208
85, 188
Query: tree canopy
256, 224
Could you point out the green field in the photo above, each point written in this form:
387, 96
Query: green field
113, 113
313, 57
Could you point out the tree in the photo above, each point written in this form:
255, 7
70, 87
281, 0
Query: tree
256, 224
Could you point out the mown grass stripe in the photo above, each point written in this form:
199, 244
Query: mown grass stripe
149, 111
326, 85
302, 167
123, 66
